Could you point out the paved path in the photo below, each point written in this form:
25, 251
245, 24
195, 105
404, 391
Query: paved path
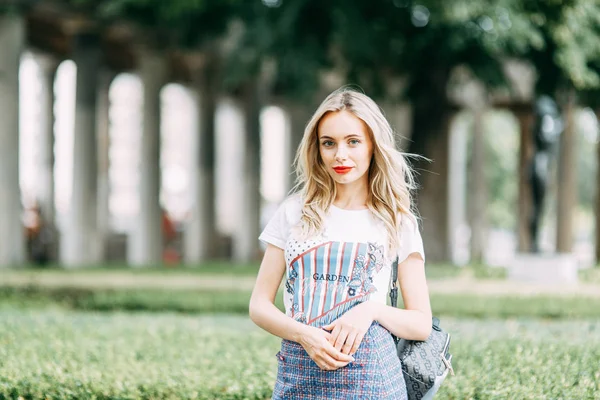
125, 279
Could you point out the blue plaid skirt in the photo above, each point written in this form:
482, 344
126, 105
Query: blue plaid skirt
376, 372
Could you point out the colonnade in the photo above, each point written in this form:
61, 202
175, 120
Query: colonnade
83, 241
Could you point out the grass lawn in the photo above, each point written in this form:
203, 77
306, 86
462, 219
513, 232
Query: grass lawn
64, 354
236, 302
156, 343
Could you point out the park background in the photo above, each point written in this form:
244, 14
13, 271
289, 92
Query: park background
145, 143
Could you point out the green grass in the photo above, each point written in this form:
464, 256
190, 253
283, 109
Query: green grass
590, 275
236, 302
49, 354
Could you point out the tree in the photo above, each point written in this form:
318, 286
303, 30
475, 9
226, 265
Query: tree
566, 64
424, 42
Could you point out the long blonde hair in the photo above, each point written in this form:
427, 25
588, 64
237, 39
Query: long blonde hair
390, 178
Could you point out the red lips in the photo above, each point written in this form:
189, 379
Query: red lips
342, 170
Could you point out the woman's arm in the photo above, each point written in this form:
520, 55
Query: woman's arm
265, 314
413, 322
262, 309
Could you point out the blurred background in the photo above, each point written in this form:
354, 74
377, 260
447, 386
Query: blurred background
143, 132
145, 143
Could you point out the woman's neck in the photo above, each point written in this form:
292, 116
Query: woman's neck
351, 197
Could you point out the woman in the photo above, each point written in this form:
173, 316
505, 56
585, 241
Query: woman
335, 241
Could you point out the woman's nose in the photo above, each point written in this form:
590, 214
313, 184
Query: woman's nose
341, 153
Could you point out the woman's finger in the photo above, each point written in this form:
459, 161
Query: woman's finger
357, 341
329, 327
329, 363
347, 347
334, 334
340, 339
336, 354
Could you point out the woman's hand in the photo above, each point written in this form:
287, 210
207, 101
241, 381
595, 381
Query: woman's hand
317, 344
348, 331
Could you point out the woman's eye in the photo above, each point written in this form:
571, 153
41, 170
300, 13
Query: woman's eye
354, 141
327, 143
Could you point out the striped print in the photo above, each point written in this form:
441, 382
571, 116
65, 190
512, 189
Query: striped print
325, 281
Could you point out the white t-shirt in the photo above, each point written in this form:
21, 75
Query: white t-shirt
347, 264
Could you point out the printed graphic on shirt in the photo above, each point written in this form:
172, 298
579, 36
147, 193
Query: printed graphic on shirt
329, 279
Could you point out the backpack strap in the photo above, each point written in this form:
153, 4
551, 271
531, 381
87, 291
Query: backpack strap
394, 289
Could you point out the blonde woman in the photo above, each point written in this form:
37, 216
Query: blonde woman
334, 242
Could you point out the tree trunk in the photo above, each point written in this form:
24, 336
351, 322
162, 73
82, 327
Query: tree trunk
525, 117
567, 181
431, 118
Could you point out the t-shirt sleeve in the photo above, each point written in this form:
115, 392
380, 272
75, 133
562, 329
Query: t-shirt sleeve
410, 239
278, 228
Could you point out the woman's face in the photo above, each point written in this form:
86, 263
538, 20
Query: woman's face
345, 147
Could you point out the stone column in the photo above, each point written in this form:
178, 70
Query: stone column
457, 193
597, 252
80, 245
12, 244
103, 142
567, 180
525, 118
399, 114
46, 196
297, 118
478, 191
246, 245
200, 234
145, 245
48, 67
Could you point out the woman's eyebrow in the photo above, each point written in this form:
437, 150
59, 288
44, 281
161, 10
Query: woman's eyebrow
345, 137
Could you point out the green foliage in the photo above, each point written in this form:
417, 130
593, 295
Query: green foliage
122, 356
571, 33
373, 41
501, 169
292, 37
421, 40
185, 23
587, 160
15, 6
236, 302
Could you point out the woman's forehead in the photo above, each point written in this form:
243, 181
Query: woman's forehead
341, 124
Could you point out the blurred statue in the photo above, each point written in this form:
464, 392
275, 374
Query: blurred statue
546, 132
40, 236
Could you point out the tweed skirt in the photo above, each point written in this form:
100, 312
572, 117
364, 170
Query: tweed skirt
375, 373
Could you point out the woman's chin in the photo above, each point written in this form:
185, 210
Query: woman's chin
345, 180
